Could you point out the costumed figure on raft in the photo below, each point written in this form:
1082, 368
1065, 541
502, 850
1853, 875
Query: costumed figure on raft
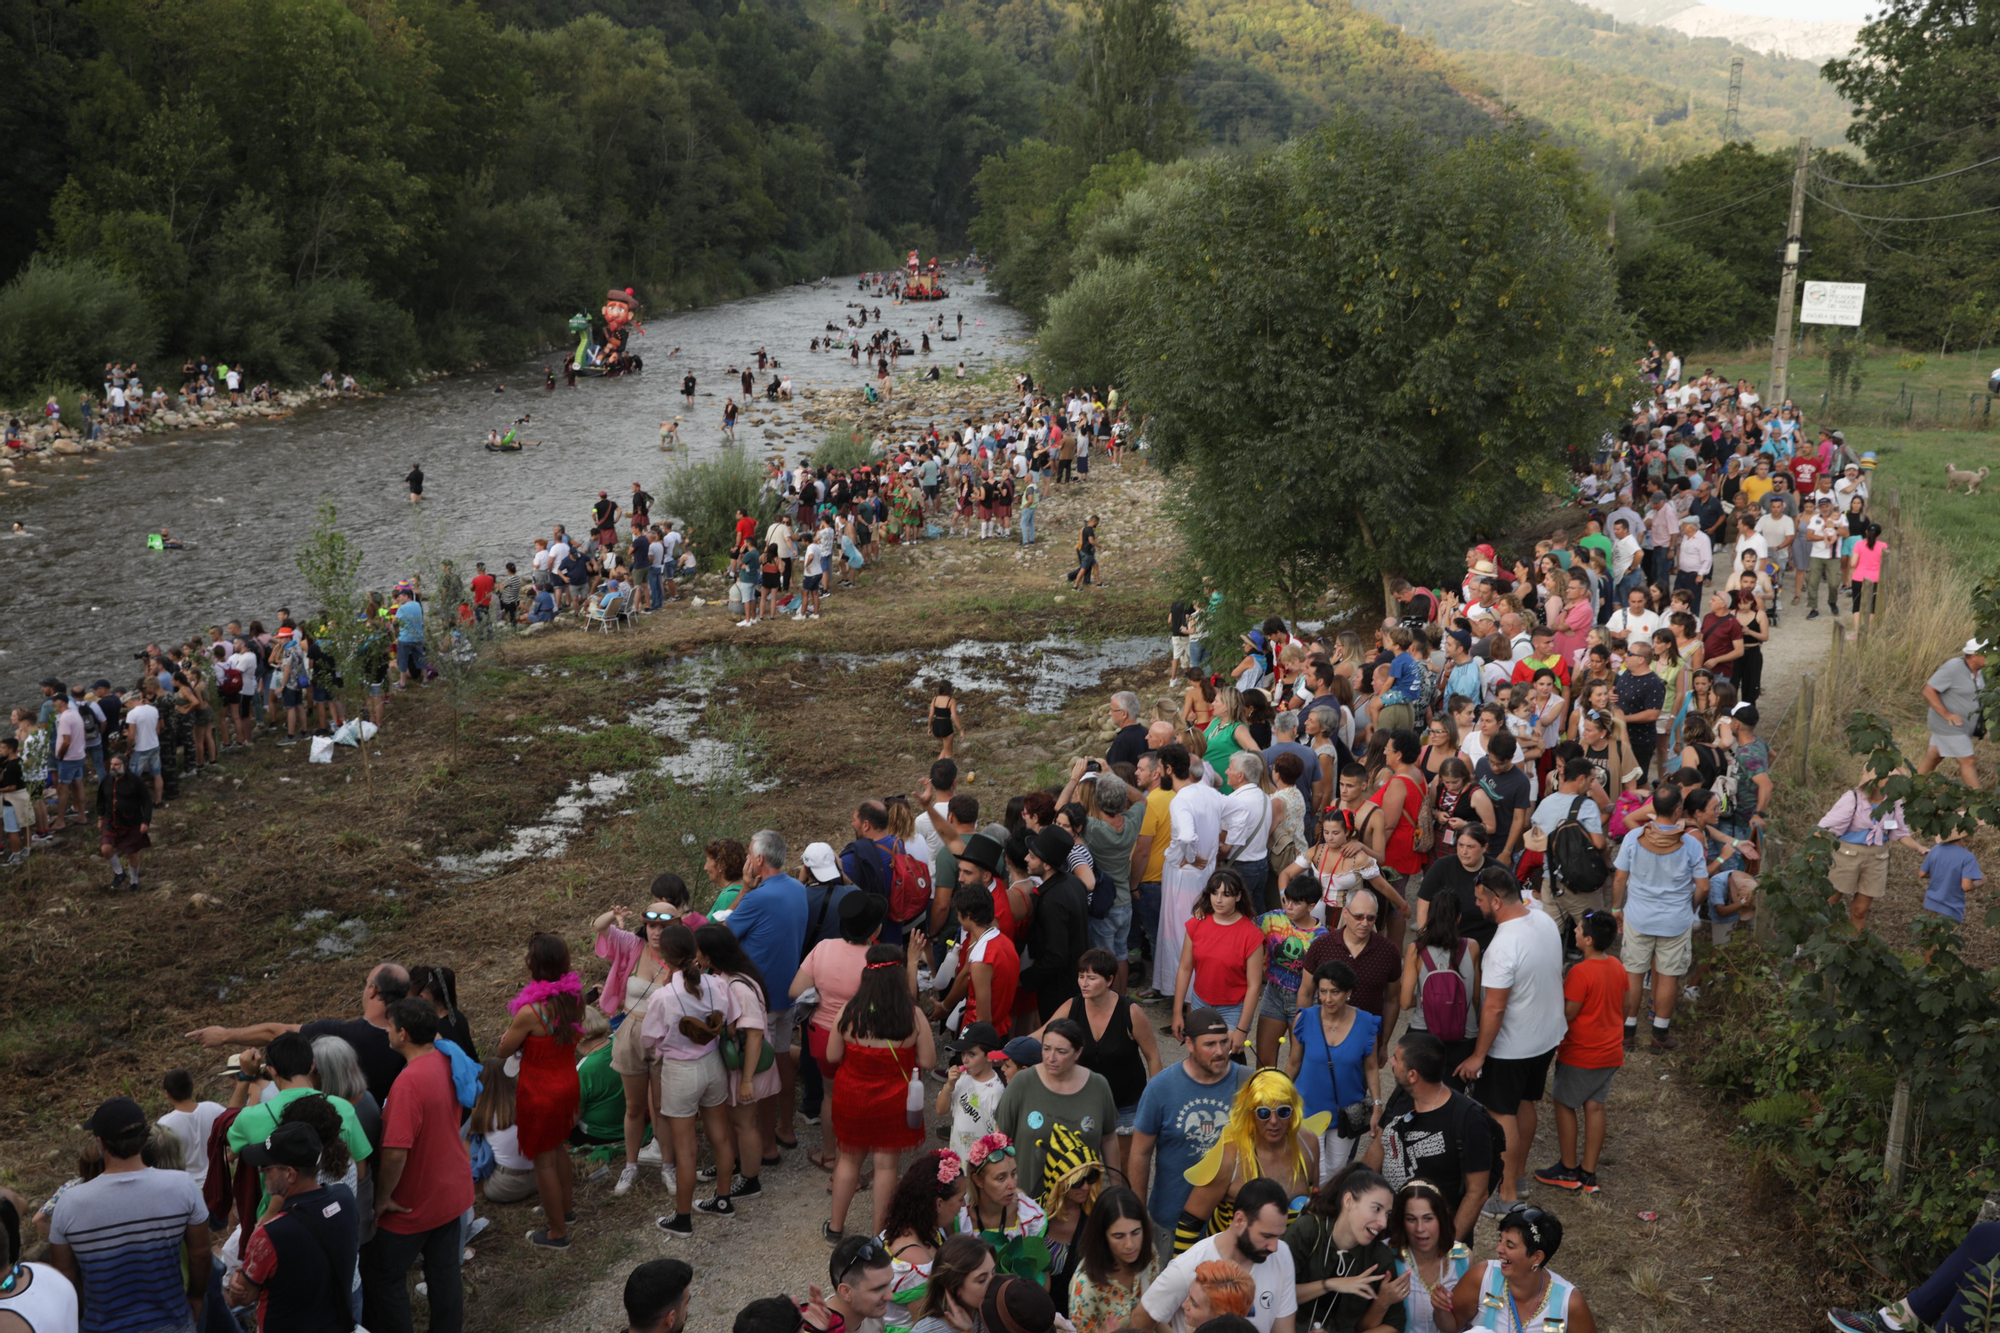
608, 357
1268, 1134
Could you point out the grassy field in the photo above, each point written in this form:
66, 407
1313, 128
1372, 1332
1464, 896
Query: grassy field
1913, 452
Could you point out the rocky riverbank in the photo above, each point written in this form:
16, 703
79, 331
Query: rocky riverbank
44, 441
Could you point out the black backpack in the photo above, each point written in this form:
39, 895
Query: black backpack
1575, 864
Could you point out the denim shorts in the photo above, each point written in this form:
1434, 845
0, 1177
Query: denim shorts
145, 762
69, 770
1114, 931
1128, 1118
1277, 1002
410, 658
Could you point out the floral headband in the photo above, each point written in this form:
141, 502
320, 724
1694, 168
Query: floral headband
988, 1147
950, 1166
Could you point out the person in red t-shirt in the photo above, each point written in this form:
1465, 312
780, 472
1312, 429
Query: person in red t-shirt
482, 595
1593, 1051
422, 1186
746, 531
989, 968
1721, 635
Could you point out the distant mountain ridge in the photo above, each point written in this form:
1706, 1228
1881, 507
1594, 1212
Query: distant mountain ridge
1802, 39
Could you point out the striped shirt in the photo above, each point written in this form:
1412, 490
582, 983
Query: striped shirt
126, 1230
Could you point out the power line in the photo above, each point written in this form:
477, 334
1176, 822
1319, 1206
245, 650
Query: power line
1682, 222
1898, 185
1877, 217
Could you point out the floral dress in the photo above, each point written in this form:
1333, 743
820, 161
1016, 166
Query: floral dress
1095, 1309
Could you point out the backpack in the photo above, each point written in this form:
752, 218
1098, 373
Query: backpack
909, 886
1496, 1136
1574, 862
1723, 789
1442, 994
232, 681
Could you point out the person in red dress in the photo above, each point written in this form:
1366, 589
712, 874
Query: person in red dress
881, 1049
548, 1017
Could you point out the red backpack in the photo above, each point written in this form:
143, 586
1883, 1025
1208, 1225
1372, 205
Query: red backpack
909, 886
232, 681
1442, 995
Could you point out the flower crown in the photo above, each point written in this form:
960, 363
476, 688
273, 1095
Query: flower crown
950, 1166
987, 1146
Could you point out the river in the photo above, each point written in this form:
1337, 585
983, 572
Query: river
84, 594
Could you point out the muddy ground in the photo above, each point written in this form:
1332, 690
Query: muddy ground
567, 787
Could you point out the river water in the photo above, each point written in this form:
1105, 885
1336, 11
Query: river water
83, 594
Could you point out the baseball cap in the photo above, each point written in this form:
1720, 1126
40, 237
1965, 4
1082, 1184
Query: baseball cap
819, 859
295, 1144
1023, 1051
1746, 714
1205, 1022
119, 1116
604, 495
1460, 637
1973, 647
983, 1035
101, 685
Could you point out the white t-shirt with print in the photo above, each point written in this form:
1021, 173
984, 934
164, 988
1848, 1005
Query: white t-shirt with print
973, 1103
1275, 1279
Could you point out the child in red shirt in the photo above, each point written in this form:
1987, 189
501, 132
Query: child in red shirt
1593, 1051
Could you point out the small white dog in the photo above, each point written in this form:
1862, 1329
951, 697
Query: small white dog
1970, 480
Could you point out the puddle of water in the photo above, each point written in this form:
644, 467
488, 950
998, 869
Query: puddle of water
1037, 676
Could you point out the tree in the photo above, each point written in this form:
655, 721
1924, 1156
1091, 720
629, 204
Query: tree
1365, 349
1922, 79
1679, 296
1128, 56
330, 563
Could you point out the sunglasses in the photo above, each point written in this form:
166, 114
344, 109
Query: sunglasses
1277, 1112
871, 1254
658, 917
1360, 916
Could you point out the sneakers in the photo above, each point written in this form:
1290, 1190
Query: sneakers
1631, 1039
680, 1224
1813, 614
747, 1189
1665, 1041
668, 1179
704, 1173
1589, 1179
119, 882
1495, 1206
543, 1240
745, 624
829, 1235
1562, 1177
626, 1179
288, 740
1857, 1321
650, 1154
719, 1206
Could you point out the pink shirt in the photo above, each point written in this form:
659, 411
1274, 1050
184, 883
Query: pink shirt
835, 968
1868, 561
621, 948
661, 1031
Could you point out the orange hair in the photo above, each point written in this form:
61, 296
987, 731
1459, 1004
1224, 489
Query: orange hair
1228, 1286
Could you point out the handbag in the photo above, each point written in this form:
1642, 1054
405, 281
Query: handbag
1352, 1120
732, 1049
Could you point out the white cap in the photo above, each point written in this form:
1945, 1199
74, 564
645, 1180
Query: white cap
1974, 648
819, 859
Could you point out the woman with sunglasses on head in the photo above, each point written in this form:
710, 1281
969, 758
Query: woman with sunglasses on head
1419, 1231
1516, 1292
959, 1276
925, 1204
1115, 1265
1267, 1135
878, 1048
1332, 1060
637, 970
997, 1212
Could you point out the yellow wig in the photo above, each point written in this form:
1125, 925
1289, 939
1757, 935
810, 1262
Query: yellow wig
1267, 1087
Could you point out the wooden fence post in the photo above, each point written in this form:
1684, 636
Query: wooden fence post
1805, 726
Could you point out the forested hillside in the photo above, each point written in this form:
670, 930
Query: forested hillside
386, 185
1628, 96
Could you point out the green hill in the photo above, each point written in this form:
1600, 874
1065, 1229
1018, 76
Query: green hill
1628, 96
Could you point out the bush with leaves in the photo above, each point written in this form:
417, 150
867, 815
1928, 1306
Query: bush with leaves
703, 499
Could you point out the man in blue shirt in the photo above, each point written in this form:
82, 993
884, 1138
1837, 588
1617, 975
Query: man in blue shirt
409, 636
770, 921
1662, 872
1181, 1114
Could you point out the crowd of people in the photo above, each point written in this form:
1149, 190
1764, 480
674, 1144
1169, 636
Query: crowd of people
1474, 854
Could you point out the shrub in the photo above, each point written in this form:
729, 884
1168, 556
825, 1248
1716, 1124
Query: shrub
61, 321
704, 497
843, 450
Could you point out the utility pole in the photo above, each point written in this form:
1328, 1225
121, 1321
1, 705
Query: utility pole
1781, 344
1729, 128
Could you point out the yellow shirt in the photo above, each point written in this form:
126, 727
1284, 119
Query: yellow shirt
1155, 826
1756, 488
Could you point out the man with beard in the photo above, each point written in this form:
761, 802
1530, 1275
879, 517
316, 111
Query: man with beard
1181, 1115
1254, 1239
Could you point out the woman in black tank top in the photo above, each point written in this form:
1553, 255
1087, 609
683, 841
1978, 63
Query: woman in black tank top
1118, 1044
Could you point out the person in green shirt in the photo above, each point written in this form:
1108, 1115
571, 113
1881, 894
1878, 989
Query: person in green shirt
288, 1061
1595, 539
601, 1112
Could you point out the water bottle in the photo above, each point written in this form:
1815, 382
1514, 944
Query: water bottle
913, 1105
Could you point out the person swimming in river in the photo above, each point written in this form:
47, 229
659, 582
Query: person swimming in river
164, 541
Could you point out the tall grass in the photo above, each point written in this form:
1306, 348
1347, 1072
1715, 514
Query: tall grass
1924, 618
704, 497
843, 449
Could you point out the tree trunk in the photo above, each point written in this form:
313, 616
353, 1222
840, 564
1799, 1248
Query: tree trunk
1368, 540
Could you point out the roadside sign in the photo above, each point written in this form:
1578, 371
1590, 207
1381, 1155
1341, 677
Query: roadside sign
1832, 303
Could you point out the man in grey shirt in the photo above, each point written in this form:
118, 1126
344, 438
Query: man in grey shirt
1953, 695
